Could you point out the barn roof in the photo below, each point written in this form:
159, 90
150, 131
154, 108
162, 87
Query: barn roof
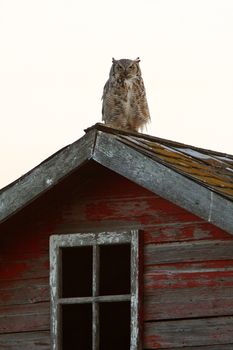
198, 180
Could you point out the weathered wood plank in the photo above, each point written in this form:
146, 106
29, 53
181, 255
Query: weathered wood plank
29, 243
178, 232
187, 275
106, 189
98, 299
211, 347
189, 332
188, 267
24, 291
145, 210
26, 266
131, 207
46, 175
25, 341
20, 318
190, 302
80, 239
203, 202
188, 252
117, 200
184, 291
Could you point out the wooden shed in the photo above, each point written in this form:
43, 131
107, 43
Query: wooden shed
119, 241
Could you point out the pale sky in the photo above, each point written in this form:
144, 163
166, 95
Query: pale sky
55, 56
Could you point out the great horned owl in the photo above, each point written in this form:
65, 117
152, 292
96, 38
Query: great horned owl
124, 97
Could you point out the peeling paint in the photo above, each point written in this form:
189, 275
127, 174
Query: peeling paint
49, 181
211, 207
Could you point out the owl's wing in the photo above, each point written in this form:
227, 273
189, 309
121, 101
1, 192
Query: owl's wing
106, 88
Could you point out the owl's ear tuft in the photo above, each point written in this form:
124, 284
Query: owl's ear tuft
137, 60
113, 60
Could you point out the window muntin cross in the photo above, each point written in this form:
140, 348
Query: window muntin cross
95, 257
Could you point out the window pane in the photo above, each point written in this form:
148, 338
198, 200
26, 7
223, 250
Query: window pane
77, 327
115, 269
77, 272
115, 326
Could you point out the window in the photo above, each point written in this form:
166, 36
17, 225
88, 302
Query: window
95, 291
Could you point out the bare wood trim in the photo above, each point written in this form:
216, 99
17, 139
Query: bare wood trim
96, 267
160, 179
43, 177
97, 299
95, 293
54, 258
135, 339
95, 326
59, 241
101, 238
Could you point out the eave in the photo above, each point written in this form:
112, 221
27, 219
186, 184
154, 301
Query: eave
46, 175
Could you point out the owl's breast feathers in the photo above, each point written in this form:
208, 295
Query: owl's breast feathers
129, 95
124, 103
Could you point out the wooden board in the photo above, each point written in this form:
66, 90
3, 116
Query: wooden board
188, 290
25, 267
189, 231
146, 210
195, 302
211, 347
164, 181
24, 291
190, 332
20, 318
46, 175
25, 341
188, 252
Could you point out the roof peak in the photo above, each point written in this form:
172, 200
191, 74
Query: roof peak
104, 128
196, 179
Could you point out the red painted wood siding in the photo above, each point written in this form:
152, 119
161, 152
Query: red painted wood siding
188, 266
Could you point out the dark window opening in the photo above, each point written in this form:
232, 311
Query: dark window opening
94, 291
77, 272
114, 326
77, 327
114, 269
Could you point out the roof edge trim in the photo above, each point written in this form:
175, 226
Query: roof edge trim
46, 175
164, 181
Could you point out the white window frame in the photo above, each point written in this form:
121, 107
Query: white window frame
93, 239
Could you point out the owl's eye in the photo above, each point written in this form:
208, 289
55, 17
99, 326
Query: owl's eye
131, 67
119, 67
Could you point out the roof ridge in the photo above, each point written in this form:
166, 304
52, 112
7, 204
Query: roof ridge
175, 178
171, 143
